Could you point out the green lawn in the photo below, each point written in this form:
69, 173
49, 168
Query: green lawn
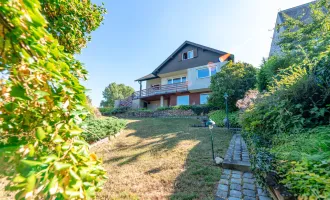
162, 159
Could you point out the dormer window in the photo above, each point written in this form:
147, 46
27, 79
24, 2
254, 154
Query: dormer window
188, 55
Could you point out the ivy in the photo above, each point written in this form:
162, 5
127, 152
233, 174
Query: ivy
42, 102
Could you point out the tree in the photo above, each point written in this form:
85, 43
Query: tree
234, 79
115, 92
42, 101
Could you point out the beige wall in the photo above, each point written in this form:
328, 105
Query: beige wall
164, 79
153, 82
200, 84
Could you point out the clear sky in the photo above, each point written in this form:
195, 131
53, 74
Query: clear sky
138, 35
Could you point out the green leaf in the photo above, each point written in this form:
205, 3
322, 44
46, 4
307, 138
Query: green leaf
31, 182
48, 159
61, 166
19, 179
41, 93
74, 175
10, 107
40, 134
32, 151
58, 139
72, 193
31, 163
18, 91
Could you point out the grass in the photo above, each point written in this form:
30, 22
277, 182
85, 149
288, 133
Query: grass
162, 159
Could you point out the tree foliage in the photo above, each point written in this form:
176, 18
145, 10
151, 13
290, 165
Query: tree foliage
269, 69
234, 79
286, 127
42, 101
114, 92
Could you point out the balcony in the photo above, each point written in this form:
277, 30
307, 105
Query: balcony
161, 90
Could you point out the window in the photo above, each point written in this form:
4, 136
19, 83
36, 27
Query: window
176, 80
188, 55
206, 72
204, 98
182, 100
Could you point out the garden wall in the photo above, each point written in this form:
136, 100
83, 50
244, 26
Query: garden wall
157, 113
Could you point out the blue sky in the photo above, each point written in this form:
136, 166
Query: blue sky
137, 36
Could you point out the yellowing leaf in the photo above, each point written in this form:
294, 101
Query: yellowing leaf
40, 134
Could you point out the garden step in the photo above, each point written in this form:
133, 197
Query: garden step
237, 156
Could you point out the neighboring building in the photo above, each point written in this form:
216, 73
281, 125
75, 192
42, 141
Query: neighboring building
182, 79
302, 11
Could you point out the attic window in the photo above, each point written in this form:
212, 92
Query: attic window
188, 55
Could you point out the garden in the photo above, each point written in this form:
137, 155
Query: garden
48, 123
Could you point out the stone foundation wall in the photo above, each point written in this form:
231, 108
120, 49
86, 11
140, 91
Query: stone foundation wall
158, 113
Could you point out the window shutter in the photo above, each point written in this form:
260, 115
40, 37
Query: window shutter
180, 57
195, 53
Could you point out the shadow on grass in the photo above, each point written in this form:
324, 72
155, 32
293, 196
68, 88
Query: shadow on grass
199, 175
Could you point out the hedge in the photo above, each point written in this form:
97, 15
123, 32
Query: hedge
96, 129
219, 115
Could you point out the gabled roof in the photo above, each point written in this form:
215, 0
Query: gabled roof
155, 72
180, 47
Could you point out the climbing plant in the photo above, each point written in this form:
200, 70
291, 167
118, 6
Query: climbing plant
42, 102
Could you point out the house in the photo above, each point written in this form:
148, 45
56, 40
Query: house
182, 79
302, 11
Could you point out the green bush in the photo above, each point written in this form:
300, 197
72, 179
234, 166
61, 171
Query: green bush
269, 69
119, 110
105, 110
197, 109
96, 129
235, 79
219, 115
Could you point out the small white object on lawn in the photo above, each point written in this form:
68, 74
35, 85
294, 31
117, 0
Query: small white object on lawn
218, 160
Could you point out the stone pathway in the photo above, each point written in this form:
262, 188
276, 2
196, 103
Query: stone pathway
237, 156
237, 182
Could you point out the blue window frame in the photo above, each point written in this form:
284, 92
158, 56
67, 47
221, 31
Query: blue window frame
182, 100
204, 98
206, 72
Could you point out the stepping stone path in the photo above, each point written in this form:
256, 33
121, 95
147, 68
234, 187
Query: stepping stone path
237, 182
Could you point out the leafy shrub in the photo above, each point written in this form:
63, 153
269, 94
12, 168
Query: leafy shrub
105, 110
219, 115
269, 69
97, 129
234, 79
119, 110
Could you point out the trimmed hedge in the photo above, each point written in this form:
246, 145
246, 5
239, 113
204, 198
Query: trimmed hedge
97, 129
197, 109
219, 115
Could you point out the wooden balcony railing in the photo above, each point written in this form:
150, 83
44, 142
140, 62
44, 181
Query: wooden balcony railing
161, 89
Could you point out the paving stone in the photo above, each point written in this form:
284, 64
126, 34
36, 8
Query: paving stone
236, 176
223, 187
225, 176
250, 193
248, 180
248, 186
222, 194
236, 172
223, 181
226, 171
248, 175
262, 192
234, 186
235, 193
236, 180
264, 198
234, 198
249, 198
